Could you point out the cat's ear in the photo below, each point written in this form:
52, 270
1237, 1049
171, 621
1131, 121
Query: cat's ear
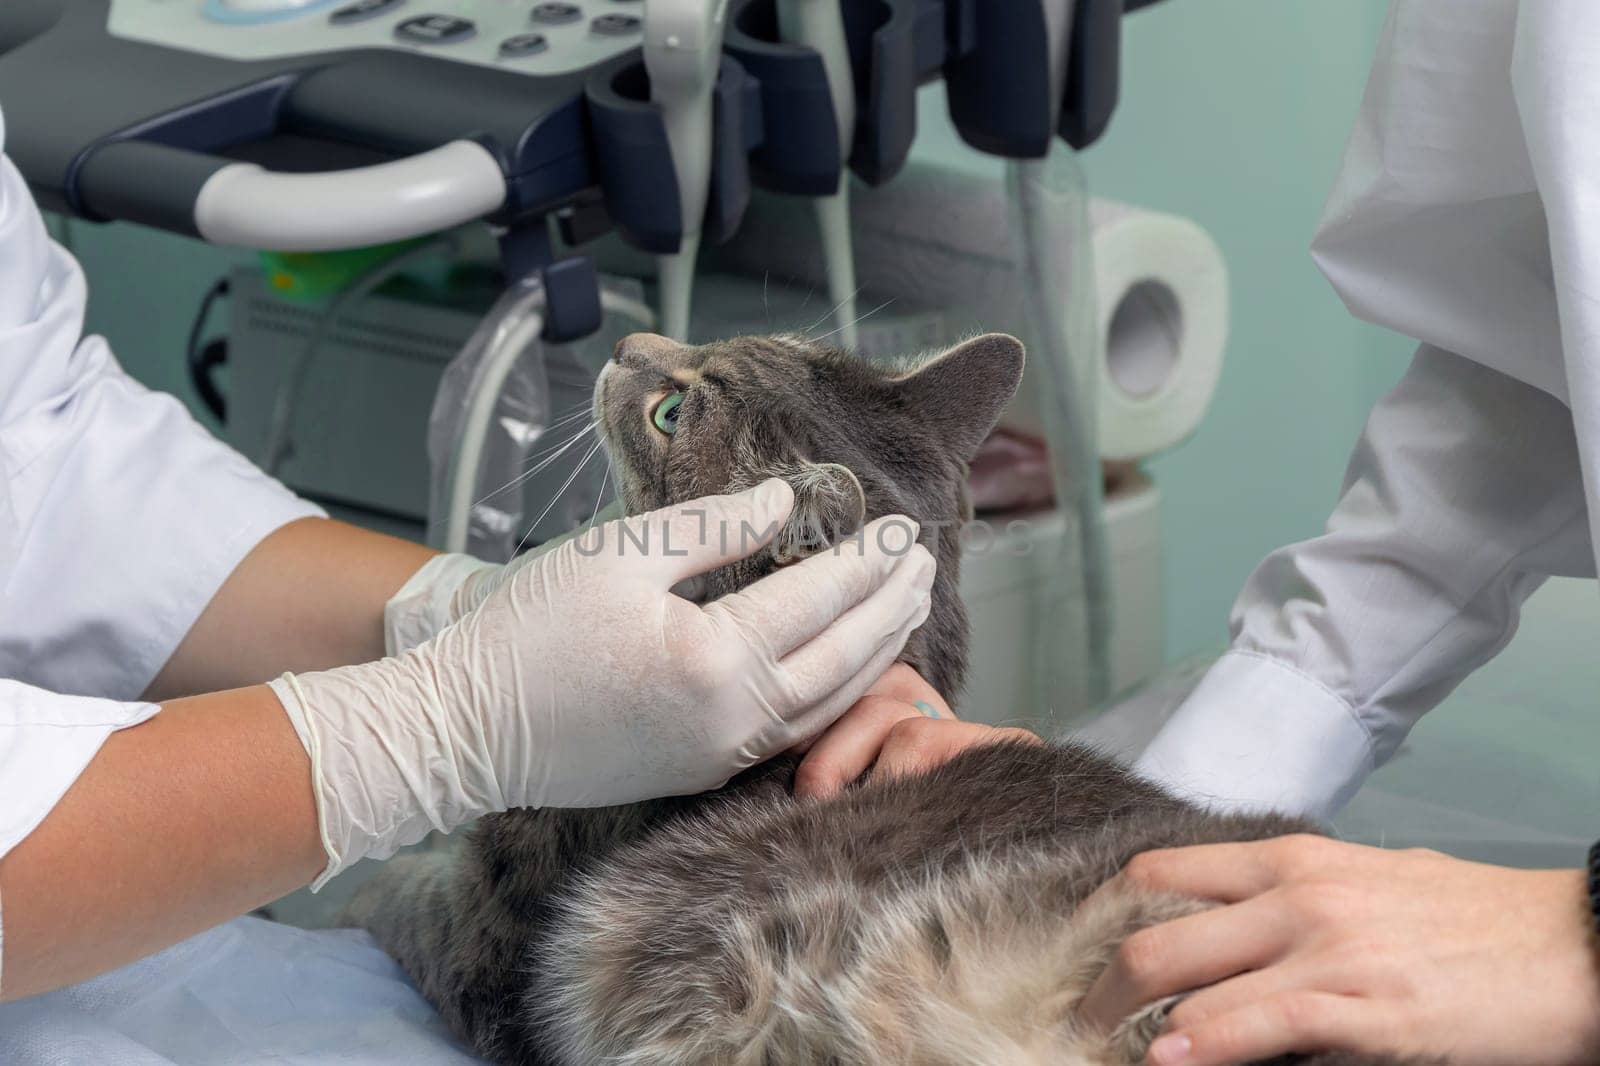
962, 392
829, 505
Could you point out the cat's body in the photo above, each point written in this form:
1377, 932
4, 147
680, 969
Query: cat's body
933, 920
926, 921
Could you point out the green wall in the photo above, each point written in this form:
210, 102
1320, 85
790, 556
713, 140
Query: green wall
144, 289
1234, 114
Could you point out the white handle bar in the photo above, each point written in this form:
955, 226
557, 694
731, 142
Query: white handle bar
245, 206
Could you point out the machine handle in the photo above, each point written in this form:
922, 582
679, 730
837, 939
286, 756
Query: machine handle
1093, 84
245, 206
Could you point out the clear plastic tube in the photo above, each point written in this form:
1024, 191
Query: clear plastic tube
494, 410
1050, 220
818, 25
280, 442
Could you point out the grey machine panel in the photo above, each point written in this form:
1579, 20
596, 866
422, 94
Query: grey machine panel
318, 104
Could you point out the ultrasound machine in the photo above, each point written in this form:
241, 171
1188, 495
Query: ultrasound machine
306, 126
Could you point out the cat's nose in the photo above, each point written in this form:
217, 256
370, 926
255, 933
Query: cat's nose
644, 348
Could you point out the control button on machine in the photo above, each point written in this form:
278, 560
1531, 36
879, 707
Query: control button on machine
523, 45
554, 14
615, 25
435, 29
362, 10
265, 6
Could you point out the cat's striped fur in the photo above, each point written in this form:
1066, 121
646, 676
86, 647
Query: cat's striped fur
932, 921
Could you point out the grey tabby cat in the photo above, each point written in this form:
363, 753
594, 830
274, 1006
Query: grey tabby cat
933, 920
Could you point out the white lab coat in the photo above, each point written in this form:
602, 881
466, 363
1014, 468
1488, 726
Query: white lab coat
1467, 215
120, 517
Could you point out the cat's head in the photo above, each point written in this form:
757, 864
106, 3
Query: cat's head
855, 441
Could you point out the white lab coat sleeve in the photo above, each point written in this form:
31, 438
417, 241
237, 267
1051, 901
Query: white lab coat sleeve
120, 518
125, 516
1462, 496
46, 739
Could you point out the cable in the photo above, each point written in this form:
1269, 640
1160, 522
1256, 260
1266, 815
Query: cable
675, 279
819, 24
1069, 365
838, 254
201, 361
481, 400
484, 394
682, 53
279, 443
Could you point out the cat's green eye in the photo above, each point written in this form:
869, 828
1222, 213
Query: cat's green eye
665, 416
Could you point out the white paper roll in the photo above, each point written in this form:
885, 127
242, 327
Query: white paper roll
940, 239
1161, 288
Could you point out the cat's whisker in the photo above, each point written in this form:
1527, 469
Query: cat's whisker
559, 450
576, 413
567, 411
600, 497
583, 410
560, 444
859, 319
562, 491
580, 431
542, 459
831, 311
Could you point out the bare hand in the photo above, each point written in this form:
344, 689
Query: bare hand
889, 733
1329, 946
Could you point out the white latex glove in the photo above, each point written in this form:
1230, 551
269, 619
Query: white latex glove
583, 680
444, 590
447, 588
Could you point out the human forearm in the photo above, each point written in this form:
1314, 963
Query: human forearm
196, 816
901, 727
1463, 493
309, 597
214, 806
1320, 945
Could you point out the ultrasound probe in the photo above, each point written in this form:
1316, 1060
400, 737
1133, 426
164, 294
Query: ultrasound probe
682, 51
819, 25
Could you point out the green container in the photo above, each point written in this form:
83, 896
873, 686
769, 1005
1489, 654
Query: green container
312, 277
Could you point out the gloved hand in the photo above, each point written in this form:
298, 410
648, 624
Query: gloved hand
446, 589
583, 680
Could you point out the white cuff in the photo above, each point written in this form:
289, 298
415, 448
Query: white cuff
1257, 734
46, 740
425, 603
288, 692
376, 792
